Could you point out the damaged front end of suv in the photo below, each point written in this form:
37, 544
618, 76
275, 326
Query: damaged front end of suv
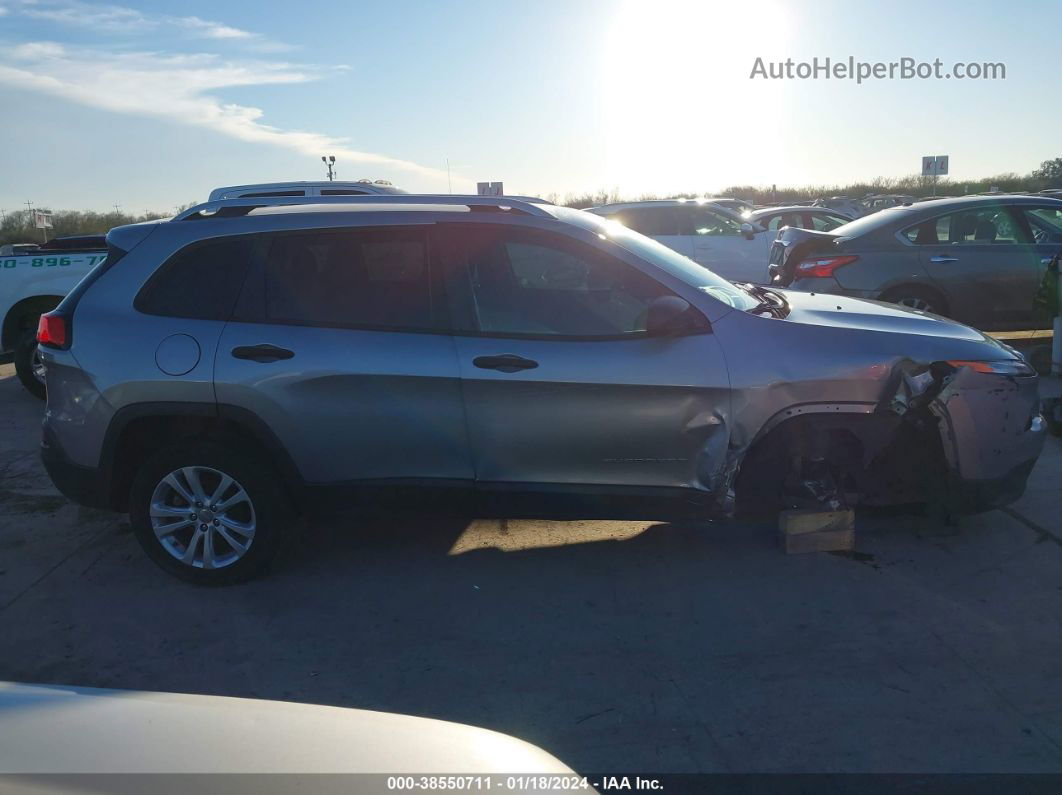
829, 417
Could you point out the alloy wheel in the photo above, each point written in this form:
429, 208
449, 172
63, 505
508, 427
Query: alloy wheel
202, 517
920, 304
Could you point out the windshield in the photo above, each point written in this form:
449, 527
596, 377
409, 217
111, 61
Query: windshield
680, 267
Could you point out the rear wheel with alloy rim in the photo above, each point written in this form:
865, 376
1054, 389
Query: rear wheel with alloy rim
208, 514
28, 364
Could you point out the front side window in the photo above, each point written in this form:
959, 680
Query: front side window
822, 222
354, 278
706, 223
201, 281
776, 222
525, 282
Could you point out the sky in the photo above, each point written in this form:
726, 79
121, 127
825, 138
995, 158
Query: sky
147, 106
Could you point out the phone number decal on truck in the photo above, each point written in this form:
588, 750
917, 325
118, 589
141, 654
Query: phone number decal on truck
52, 262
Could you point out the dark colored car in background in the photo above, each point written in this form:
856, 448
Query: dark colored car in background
977, 259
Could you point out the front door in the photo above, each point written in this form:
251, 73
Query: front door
720, 245
562, 385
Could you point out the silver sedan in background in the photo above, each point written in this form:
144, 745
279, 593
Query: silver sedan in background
977, 259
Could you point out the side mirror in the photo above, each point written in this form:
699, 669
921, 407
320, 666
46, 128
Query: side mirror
748, 230
670, 315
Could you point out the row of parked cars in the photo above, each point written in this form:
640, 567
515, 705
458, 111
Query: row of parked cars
267, 355
978, 259
981, 263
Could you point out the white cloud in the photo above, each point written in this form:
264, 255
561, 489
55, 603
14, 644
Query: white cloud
107, 18
35, 50
104, 18
179, 88
213, 30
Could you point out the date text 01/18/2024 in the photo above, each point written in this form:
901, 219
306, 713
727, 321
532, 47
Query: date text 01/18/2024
522, 783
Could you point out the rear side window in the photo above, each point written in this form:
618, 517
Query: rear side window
980, 226
376, 278
341, 192
827, 223
201, 281
654, 221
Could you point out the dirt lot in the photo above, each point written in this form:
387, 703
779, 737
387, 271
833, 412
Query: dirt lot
616, 646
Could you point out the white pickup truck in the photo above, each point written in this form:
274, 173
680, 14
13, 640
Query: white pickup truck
33, 280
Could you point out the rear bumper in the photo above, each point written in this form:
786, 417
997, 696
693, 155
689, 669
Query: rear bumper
83, 485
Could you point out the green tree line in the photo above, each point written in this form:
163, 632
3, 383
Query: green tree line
1049, 175
17, 226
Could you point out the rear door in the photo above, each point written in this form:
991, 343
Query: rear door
563, 388
340, 345
984, 261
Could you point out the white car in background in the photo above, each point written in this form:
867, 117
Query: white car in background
33, 280
714, 236
361, 187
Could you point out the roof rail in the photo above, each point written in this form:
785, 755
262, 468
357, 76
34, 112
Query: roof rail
227, 208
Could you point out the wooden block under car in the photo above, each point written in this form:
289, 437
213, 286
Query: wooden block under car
817, 531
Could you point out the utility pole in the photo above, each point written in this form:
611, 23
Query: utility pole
117, 209
329, 161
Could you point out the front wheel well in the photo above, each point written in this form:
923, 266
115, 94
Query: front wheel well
143, 436
879, 458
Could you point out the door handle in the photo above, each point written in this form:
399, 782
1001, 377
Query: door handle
261, 353
942, 258
506, 363
1046, 260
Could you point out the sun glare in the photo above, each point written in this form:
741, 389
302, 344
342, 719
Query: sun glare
682, 112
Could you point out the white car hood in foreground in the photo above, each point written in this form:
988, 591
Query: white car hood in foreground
53, 729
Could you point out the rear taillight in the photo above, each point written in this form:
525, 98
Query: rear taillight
822, 267
52, 331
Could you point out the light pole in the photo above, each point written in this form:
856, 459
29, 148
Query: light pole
329, 161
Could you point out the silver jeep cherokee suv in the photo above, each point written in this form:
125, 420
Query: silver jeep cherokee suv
250, 359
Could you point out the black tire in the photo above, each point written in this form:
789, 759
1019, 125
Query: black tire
271, 511
916, 297
25, 353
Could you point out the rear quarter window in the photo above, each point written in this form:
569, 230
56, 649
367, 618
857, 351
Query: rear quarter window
201, 281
